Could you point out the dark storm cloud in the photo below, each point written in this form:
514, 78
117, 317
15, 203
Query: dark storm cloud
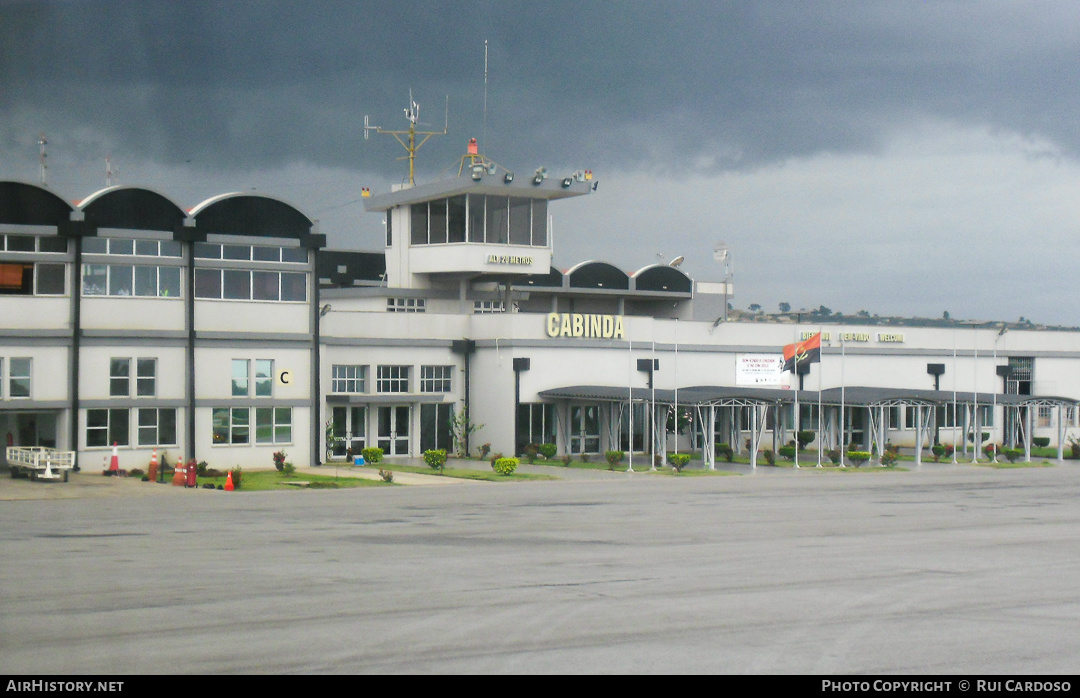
687, 85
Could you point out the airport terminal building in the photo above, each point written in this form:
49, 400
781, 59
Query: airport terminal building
228, 331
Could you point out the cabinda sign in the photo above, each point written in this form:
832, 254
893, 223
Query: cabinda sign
581, 325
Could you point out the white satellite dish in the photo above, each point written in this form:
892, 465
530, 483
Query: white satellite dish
720, 252
677, 261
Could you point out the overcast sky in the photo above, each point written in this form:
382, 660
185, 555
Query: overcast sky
902, 157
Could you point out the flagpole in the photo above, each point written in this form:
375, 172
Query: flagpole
630, 402
843, 406
819, 440
795, 370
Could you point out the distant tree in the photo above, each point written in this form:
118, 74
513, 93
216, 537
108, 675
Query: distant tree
823, 311
785, 307
863, 313
945, 315
755, 307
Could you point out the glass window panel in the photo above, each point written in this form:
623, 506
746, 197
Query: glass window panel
455, 212
19, 377
166, 427
120, 280
146, 248
237, 284
419, 224
52, 244
119, 377
497, 220
293, 286
240, 371
172, 248
297, 255
146, 377
95, 246
221, 419
264, 377
148, 432
118, 427
539, 223
520, 221
476, 218
263, 253
121, 246
97, 428
20, 243
207, 283
239, 252
207, 250
146, 281
437, 224
240, 429
50, 279
169, 282
265, 285
264, 425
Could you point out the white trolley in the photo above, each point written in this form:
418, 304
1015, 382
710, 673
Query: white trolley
40, 463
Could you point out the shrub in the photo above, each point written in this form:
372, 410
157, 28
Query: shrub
372, 455
804, 438
505, 466
1074, 446
494, 458
1013, 454
279, 460
938, 450
200, 468
990, 450
288, 469
584, 457
835, 455
613, 457
1041, 441
889, 458
484, 450
237, 476
567, 460
678, 461
770, 457
859, 457
386, 475
435, 458
135, 472
949, 448
548, 451
787, 452
531, 453
724, 451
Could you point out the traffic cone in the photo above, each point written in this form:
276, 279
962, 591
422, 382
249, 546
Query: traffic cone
114, 462
153, 467
228, 483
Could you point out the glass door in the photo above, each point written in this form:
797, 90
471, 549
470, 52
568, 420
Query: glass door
394, 429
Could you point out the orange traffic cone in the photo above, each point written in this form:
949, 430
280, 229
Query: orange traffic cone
228, 483
114, 462
153, 467
178, 473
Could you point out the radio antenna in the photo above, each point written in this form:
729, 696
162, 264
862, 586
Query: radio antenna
412, 115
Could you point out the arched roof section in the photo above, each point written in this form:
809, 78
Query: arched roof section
29, 204
553, 279
252, 215
131, 208
661, 277
598, 275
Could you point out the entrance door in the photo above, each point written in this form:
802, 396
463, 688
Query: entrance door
394, 429
350, 429
584, 428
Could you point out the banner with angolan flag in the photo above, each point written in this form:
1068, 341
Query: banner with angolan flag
807, 351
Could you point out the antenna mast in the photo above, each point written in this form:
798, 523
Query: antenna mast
412, 115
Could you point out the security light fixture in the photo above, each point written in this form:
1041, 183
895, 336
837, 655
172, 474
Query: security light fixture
567, 182
508, 177
477, 172
539, 176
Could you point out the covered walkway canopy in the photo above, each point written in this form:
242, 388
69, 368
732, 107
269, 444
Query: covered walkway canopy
732, 407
